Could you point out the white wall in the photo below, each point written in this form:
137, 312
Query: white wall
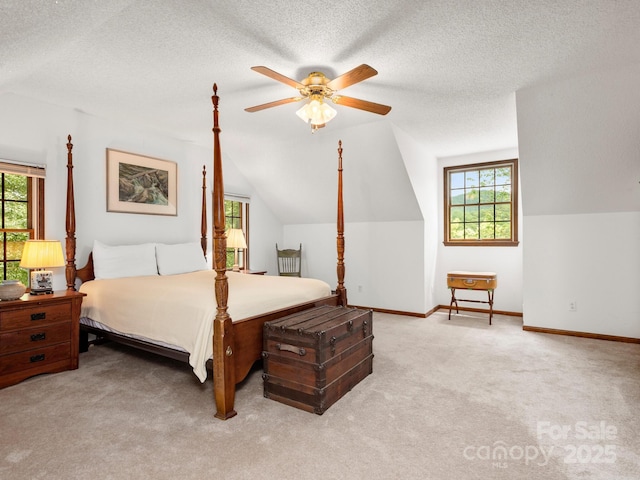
37, 132
422, 168
580, 169
377, 274
568, 260
505, 261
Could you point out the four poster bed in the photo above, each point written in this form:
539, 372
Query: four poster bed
237, 344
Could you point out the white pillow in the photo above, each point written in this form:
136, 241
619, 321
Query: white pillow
180, 258
124, 260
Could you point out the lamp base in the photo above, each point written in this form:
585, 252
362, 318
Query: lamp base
41, 282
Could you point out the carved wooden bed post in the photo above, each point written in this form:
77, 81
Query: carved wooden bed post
203, 220
70, 268
224, 380
340, 290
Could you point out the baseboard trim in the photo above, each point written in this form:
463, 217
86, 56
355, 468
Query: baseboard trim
481, 310
551, 331
432, 311
435, 309
572, 333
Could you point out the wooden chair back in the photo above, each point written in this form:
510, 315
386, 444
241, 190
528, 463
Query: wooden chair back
289, 262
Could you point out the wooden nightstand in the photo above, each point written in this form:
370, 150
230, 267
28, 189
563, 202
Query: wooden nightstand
39, 334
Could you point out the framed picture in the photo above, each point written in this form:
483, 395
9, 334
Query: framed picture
141, 184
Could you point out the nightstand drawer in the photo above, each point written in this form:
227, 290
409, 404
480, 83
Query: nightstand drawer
31, 338
36, 358
34, 317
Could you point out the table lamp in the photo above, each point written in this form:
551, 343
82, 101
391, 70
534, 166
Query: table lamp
235, 240
38, 256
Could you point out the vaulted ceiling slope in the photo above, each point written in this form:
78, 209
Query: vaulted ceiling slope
376, 183
448, 68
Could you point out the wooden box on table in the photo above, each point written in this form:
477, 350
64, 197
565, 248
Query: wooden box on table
313, 358
472, 280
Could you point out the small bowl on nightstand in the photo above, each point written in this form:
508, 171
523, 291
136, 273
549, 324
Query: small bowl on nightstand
11, 290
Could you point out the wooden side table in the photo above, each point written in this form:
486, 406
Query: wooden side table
487, 281
39, 334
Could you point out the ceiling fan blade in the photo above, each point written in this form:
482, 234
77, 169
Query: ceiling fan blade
362, 104
273, 104
277, 76
356, 75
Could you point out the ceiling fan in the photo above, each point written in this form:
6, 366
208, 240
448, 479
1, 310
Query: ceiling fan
317, 88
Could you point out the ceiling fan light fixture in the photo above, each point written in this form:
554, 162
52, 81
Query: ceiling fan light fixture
316, 87
316, 112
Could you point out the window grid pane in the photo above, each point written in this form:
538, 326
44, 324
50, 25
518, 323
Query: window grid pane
481, 202
471, 231
487, 230
14, 203
235, 218
232, 219
487, 213
487, 177
471, 196
457, 196
471, 179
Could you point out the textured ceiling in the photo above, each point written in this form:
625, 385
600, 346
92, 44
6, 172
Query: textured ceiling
448, 68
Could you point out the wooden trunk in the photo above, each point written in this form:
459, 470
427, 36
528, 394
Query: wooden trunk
312, 358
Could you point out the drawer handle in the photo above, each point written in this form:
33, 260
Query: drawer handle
36, 358
36, 337
38, 316
290, 348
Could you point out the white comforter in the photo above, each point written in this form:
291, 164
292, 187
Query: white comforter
179, 309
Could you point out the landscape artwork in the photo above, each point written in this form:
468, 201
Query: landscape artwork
140, 184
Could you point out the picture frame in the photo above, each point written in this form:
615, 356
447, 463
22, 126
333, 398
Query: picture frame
141, 184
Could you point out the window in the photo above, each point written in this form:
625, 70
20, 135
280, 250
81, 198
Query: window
481, 204
22, 204
236, 211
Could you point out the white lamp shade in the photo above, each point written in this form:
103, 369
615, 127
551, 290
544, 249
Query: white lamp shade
235, 238
42, 254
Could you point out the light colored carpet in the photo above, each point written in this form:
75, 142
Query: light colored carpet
452, 399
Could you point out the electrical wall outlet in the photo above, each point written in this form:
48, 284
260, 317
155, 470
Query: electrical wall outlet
360, 288
573, 306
